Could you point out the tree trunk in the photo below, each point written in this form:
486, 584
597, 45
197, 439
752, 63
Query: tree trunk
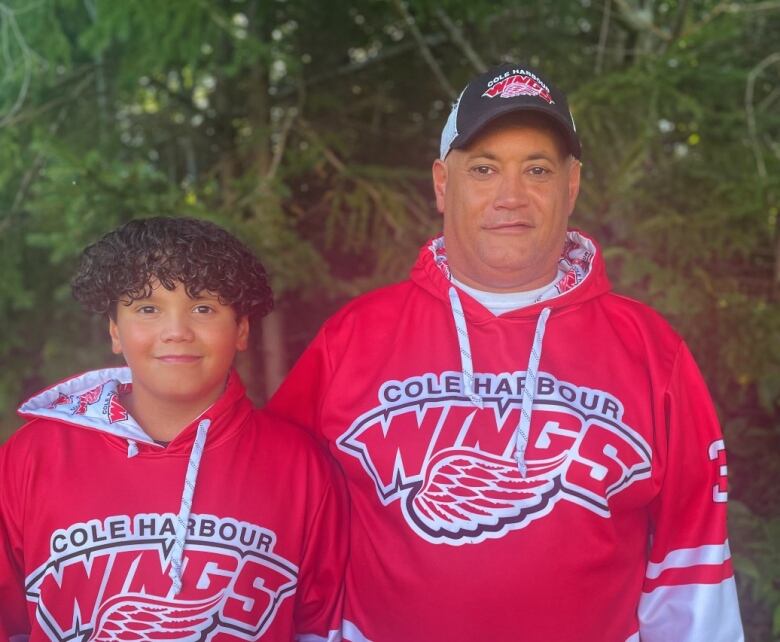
272, 346
274, 352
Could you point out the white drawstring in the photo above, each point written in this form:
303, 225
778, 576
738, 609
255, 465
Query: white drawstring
467, 366
132, 448
183, 517
529, 391
531, 373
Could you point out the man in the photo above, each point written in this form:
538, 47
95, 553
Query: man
530, 457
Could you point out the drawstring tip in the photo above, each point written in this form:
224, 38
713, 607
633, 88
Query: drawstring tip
176, 581
132, 448
521, 465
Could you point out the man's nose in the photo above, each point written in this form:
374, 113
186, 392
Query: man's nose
512, 191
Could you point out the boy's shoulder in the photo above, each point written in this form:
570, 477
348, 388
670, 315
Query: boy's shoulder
26, 451
34, 436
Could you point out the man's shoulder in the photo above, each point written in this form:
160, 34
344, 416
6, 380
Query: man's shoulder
384, 302
379, 298
637, 308
630, 314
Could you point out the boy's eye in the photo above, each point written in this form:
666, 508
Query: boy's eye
203, 309
146, 309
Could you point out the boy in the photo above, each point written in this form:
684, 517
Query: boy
152, 502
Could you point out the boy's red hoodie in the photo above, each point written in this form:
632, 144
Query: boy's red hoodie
237, 530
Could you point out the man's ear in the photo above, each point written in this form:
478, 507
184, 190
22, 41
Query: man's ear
242, 340
439, 172
575, 167
113, 331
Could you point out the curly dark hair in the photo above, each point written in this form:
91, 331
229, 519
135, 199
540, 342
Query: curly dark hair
123, 265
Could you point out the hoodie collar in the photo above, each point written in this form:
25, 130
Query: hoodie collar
581, 264
92, 401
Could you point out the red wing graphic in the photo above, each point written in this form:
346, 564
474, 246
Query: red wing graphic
116, 411
519, 89
88, 398
467, 491
91, 396
61, 399
143, 617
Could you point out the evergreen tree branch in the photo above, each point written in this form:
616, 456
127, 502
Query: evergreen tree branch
723, 8
603, 34
10, 33
640, 19
281, 144
385, 54
425, 50
457, 36
750, 114
680, 18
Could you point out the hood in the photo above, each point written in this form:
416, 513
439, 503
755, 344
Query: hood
92, 401
581, 263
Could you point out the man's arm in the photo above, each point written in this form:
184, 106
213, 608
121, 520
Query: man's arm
13, 610
689, 592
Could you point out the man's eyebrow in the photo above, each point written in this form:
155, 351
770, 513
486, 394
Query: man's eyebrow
487, 154
481, 153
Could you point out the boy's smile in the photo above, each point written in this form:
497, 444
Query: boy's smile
180, 350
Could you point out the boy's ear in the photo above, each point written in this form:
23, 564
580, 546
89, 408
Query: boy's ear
113, 331
242, 340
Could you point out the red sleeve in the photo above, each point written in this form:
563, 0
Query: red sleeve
13, 611
689, 592
320, 596
300, 397
299, 400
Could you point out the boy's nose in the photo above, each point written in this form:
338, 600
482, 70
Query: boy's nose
176, 328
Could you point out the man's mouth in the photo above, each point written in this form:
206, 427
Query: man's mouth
508, 226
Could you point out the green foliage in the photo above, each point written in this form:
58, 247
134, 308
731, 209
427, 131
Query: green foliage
308, 129
757, 561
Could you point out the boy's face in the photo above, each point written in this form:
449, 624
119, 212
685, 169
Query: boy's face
178, 348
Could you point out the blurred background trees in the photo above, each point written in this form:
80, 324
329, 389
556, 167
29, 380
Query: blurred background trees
308, 128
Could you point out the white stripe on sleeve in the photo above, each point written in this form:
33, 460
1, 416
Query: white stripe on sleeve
687, 557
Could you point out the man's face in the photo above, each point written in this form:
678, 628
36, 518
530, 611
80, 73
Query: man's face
179, 349
506, 201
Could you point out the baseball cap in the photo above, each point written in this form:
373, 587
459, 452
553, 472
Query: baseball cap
502, 90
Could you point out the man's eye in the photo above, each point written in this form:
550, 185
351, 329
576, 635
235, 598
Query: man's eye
482, 170
538, 171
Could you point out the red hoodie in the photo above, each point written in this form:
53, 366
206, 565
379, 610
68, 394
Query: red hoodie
586, 506
89, 507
